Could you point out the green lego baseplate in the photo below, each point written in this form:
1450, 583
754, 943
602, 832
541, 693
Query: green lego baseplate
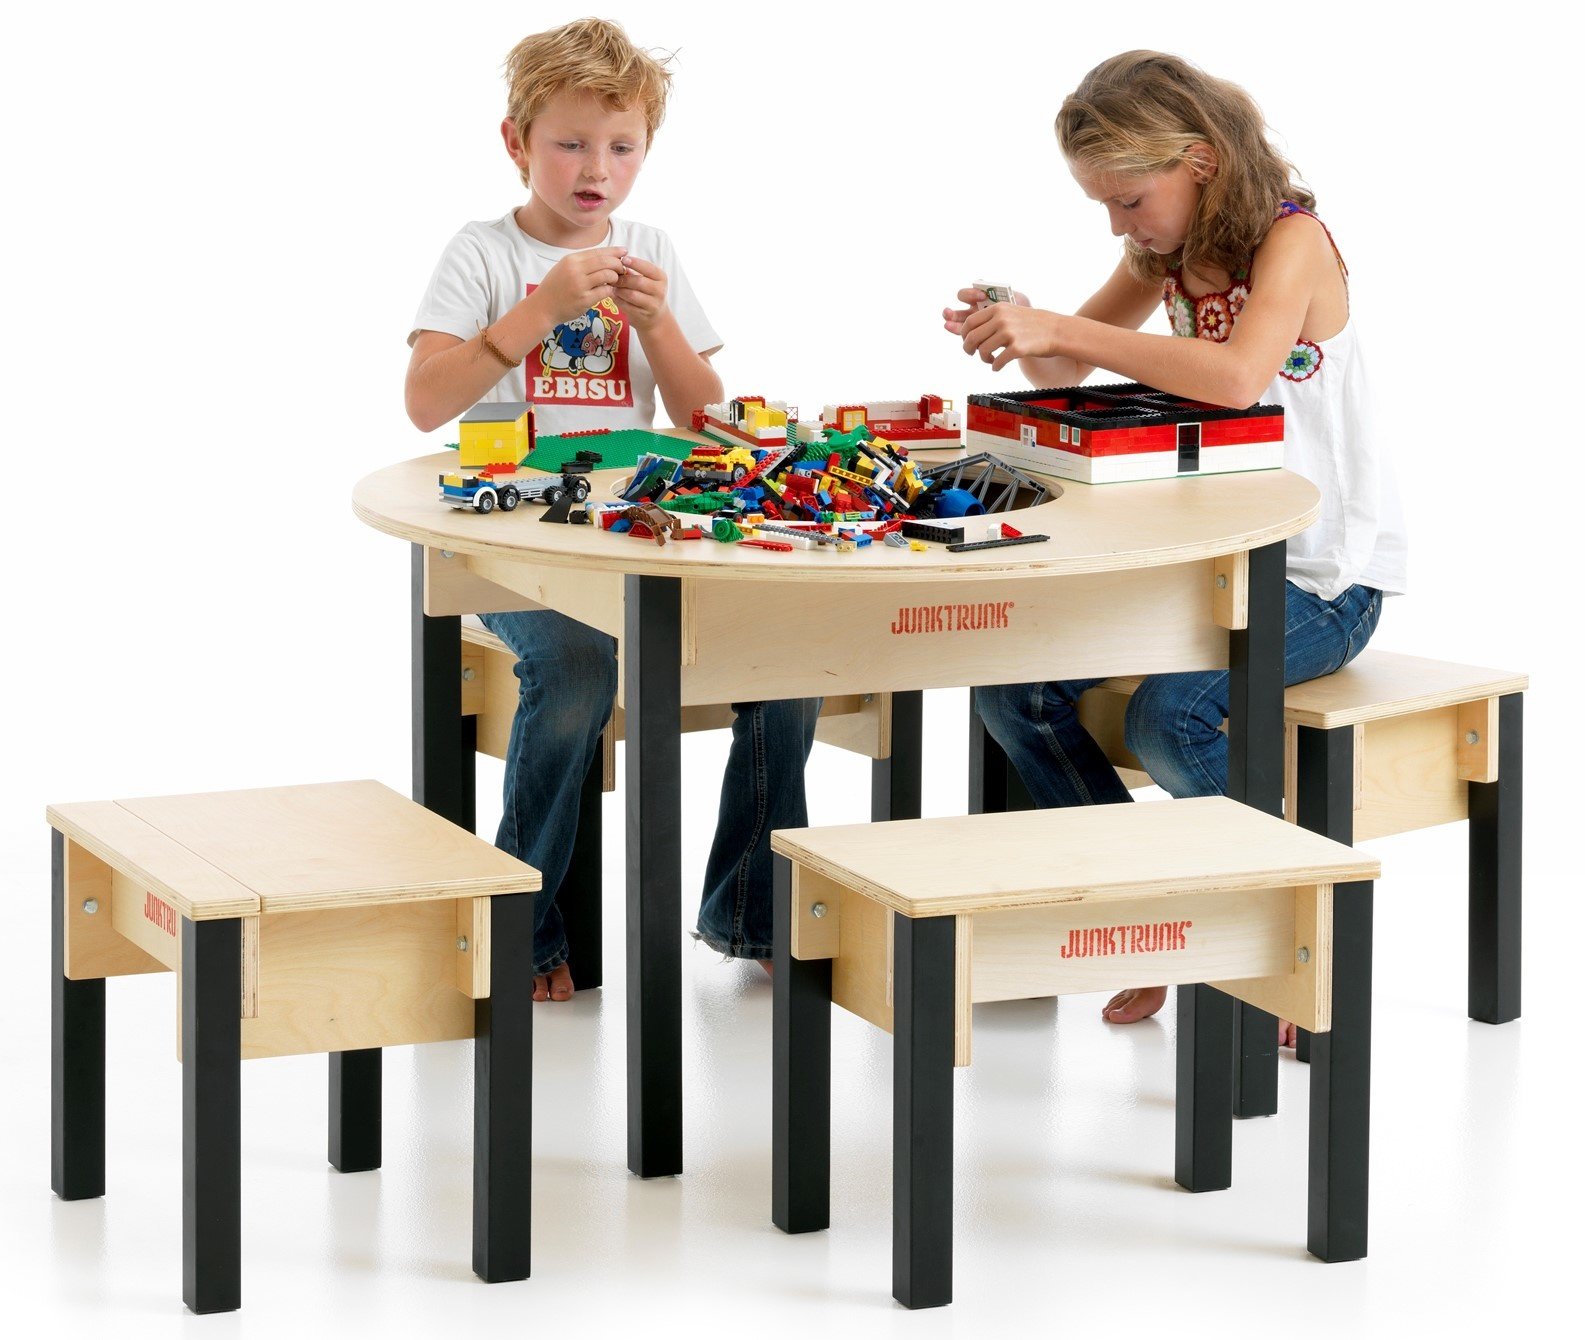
619, 449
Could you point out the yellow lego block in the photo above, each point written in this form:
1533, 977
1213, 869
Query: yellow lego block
918, 546
490, 443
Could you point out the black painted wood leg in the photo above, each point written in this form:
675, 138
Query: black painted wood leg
503, 1096
652, 663
1339, 1214
211, 990
896, 783
922, 1008
443, 739
1254, 776
355, 1115
1496, 884
994, 784
581, 890
77, 1058
1325, 799
800, 1077
1204, 1117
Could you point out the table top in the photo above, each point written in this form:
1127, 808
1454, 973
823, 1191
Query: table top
290, 849
1093, 528
1090, 853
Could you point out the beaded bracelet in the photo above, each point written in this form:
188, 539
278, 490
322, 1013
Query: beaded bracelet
488, 343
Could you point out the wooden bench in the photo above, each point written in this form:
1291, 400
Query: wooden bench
1393, 744
338, 918
909, 924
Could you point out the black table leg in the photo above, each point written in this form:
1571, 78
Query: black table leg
1325, 799
1204, 1118
922, 1009
581, 890
77, 1058
652, 665
443, 739
800, 1078
211, 990
1340, 1089
994, 784
896, 782
355, 1110
1254, 776
1496, 885
503, 1096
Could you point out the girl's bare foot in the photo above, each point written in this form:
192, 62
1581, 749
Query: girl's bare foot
1138, 1002
1287, 1033
554, 985
769, 965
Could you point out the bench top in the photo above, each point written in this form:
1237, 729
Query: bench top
1381, 684
290, 849
1034, 858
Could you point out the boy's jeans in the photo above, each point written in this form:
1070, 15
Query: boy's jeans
1173, 724
567, 687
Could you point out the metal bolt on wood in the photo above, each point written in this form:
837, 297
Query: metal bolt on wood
1221, 581
1472, 737
90, 905
818, 910
462, 944
1304, 954
468, 673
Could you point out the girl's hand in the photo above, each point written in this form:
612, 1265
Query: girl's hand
642, 292
1005, 331
952, 318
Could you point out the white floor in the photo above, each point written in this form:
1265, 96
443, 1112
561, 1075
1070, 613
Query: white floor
1066, 1215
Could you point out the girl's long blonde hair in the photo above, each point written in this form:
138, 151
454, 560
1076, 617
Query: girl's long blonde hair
1139, 113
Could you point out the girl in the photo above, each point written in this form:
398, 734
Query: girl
1218, 230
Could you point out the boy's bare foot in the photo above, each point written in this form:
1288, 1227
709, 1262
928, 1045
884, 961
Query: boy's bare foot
554, 985
1138, 1002
1287, 1033
768, 964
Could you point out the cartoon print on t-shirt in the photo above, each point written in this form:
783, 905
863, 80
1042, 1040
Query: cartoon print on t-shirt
584, 360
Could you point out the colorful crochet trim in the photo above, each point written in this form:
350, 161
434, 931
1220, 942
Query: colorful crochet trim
1211, 315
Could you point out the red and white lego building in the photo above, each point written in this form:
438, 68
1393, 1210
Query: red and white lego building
1108, 434
927, 419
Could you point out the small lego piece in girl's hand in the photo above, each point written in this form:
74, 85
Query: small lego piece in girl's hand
994, 293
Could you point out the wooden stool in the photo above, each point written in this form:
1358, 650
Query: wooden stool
338, 918
1393, 744
908, 924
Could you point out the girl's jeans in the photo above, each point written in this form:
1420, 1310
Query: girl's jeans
1173, 724
567, 687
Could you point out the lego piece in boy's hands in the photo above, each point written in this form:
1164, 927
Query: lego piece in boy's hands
995, 293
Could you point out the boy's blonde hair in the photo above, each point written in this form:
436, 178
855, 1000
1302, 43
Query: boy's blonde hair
592, 56
1137, 114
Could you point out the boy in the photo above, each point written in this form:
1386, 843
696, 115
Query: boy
589, 316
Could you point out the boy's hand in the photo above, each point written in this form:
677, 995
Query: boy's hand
642, 292
952, 318
579, 281
1003, 331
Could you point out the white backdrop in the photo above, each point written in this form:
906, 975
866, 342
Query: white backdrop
219, 221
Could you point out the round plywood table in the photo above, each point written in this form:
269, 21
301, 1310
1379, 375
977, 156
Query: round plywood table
1136, 578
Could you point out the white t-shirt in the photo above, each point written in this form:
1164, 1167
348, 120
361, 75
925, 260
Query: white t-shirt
590, 372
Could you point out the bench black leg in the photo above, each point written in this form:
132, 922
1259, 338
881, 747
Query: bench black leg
355, 1110
1496, 832
443, 739
77, 1058
211, 990
1204, 1119
1340, 1089
994, 784
1254, 776
1325, 799
896, 782
580, 894
922, 1009
503, 1096
652, 666
800, 1078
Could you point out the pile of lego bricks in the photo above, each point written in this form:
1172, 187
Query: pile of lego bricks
825, 489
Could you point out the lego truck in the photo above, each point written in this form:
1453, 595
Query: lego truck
486, 491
